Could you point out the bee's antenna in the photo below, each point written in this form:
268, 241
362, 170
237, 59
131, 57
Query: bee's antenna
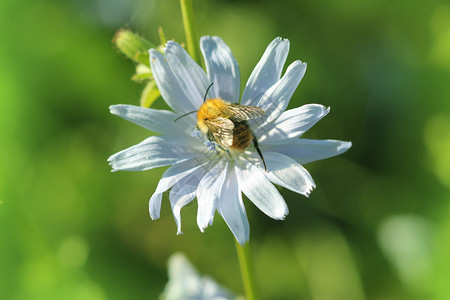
255, 142
191, 112
207, 90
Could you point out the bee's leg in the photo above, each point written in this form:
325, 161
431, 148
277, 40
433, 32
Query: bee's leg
198, 133
224, 149
210, 144
255, 142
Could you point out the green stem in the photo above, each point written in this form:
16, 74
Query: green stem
243, 253
187, 13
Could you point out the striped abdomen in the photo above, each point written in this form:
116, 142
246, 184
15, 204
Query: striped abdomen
242, 135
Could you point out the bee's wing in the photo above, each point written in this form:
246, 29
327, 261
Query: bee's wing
222, 130
245, 112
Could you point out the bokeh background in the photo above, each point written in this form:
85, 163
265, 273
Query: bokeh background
376, 227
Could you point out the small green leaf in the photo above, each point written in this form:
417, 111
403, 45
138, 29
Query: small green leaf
141, 77
143, 72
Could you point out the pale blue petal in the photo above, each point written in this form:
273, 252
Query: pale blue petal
292, 123
255, 185
305, 151
168, 85
276, 99
286, 172
156, 151
160, 121
208, 192
185, 283
191, 77
172, 176
177, 172
231, 207
267, 72
184, 191
154, 206
222, 69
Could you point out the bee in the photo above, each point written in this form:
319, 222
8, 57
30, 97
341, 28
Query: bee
226, 123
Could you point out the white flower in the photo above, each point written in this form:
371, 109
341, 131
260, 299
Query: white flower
186, 284
217, 178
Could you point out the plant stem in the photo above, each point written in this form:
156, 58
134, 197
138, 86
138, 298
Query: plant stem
243, 253
187, 13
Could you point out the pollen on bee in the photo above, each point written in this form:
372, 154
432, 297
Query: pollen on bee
212, 108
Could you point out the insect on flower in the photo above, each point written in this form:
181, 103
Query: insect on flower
226, 123
219, 179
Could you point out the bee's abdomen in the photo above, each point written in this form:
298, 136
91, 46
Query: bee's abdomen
242, 135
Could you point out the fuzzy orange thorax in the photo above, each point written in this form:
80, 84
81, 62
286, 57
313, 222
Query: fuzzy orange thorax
213, 108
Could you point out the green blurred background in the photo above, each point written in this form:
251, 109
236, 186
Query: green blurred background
376, 227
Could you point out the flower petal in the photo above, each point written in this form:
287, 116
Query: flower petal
231, 207
177, 172
255, 185
208, 192
286, 172
182, 193
222, 69
159, 121
306, 150
168, 85
292, 123
186, 283
172, 176
276, 99
154, 152
267, 72
154, 206
191, 77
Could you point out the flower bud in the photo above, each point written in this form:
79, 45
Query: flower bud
133, 46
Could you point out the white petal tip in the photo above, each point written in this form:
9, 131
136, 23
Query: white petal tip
114, 166
309, 190
344, 147
281, 39
119, 109
307, 193
300, 63
113, 108
298, 68
281, 215
281, 218
152, 53
169, 45
203, 224
203, 38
